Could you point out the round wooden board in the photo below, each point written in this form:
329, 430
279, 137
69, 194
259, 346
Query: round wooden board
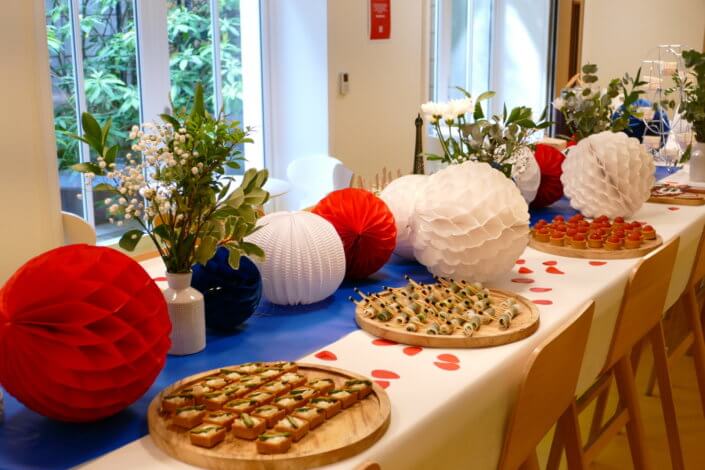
694, 200
523, 325
348, 433
597, 253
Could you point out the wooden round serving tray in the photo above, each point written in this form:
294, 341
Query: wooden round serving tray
523, 325
597, 253
688, 199
348, 433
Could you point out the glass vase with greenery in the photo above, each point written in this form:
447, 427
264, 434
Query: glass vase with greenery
692, 99
471, 136
174, 185
588, 109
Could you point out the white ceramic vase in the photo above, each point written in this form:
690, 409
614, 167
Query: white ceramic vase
187, 313
697, 162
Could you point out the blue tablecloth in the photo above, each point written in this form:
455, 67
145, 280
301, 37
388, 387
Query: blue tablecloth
30, 441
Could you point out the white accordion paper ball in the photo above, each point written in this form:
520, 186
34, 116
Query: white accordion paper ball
400, 196
470, 222
527, 175
305, 260
608, 174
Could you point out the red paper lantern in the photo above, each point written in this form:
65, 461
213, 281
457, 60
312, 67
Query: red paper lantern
366, 227
84, 332
550, 161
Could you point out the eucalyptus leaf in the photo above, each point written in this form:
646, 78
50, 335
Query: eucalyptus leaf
130, 239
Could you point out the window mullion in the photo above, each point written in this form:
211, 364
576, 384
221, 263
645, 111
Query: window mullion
84, 154
215, 41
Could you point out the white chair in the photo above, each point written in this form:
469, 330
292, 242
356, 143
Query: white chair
314, 177
77, 230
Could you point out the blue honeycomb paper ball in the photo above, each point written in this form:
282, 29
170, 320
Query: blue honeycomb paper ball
231, 296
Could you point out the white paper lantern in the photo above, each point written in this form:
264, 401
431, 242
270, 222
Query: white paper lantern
400, 195
608, 174
305, 260
470, 222
527, 174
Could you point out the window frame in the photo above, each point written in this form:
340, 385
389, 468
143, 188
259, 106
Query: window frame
154, 81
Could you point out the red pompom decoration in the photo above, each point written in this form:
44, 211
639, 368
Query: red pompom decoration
84, 332
366, 227
550, 161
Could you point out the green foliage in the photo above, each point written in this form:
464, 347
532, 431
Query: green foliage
108, 41
494, 140
692, 105
588, 109
189, 210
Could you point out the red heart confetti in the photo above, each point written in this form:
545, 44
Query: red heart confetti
382, 383
525, 270
326, 356
447, 365
550, 263
553, 270
674, 208
542, 302
541, 289
597, 263
520, 261
159, 279
383, 342
412, 350
523, 280
448, 358
384, 374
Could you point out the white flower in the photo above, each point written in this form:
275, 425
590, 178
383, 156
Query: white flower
119, 223
107, 201
113, 209
122, 201
435, 109
559, 103
194, 170
460, 107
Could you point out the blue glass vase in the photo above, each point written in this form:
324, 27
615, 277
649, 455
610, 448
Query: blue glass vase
231, 296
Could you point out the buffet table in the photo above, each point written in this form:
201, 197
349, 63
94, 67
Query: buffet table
449, 407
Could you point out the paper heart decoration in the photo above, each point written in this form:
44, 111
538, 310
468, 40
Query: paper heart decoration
608, 173
84, 331
305, 260
400, 196
470, 222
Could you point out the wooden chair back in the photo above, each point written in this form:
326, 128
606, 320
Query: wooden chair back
643, 301
697, 274
547, 390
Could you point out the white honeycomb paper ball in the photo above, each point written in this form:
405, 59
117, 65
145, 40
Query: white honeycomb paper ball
305, 260
400, 196
529, 179
608, 174
470, 222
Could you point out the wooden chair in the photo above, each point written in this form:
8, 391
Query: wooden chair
547, 391
639, 320
693, 311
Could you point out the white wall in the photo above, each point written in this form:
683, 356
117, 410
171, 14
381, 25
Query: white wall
619, 34
297, 124
30, 220
373, 126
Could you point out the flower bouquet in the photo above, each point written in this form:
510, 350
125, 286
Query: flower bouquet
174, 187
469, 135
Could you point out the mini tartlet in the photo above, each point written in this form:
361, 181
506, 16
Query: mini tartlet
207, 435
273, 443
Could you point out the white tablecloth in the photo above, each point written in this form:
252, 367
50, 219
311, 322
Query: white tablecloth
449, 407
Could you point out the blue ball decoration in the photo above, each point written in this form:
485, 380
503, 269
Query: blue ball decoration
637, 128
231, 296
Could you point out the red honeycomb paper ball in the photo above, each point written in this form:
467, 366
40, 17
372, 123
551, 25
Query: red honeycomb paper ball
550, 161
84, 332
366, 227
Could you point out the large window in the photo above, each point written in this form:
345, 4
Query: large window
105, 57
500, 45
